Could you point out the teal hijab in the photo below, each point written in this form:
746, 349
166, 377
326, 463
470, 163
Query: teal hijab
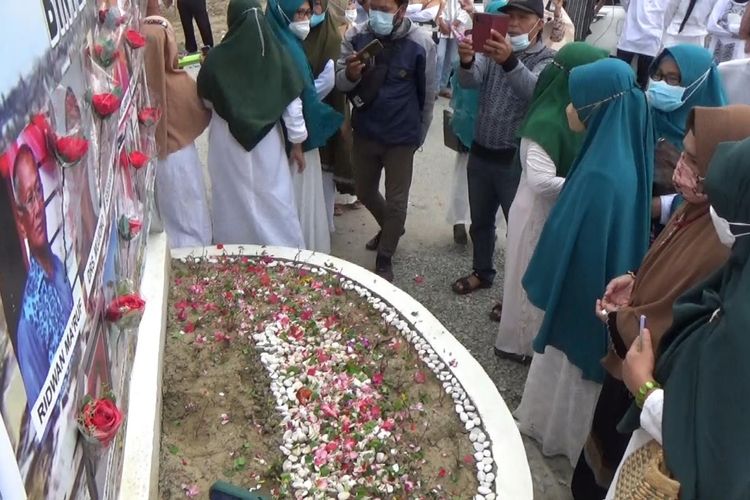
703, 359
247, 64
703, 87
322, 120
465, 102
599, 227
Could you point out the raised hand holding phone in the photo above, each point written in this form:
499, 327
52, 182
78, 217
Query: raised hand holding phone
498, 48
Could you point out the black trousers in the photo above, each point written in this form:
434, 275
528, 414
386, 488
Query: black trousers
493, 182
195, 9
644, 64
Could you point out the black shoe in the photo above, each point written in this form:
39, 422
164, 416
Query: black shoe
383, 267
518, 358
459, 234
373, 244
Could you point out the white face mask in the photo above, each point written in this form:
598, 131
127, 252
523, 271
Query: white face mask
724, 230
351, 15
300, 29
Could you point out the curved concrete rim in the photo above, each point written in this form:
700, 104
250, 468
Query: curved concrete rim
513, 476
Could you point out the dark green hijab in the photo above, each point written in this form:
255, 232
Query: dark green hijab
703, 361
546, 122
249, 78
324, 41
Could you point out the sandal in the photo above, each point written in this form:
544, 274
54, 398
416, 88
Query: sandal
496, 312
463, 286
516, 358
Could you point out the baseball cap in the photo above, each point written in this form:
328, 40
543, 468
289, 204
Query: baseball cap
533, 6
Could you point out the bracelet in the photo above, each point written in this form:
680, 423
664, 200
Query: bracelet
644, 392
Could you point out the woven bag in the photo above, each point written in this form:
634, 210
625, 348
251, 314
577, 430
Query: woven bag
644, 476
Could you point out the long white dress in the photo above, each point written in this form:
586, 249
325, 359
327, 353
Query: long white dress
557, 406
308, 184
181, 199
252, 191
537, 192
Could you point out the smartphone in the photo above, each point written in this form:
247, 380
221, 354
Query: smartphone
370, 51
483, 24
641, 327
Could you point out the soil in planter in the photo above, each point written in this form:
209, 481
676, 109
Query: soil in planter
219, 417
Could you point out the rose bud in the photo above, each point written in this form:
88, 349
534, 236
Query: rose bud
149, 116
105, 103
135, 39
70, 149
137, 159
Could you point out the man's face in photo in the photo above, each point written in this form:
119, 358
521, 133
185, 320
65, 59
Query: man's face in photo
30, 201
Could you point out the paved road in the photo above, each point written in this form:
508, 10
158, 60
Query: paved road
427, 251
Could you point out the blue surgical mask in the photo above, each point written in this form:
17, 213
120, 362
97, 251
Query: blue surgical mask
663, 96
381, 23
521, 42
316, 19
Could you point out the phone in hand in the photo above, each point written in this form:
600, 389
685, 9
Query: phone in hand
370, 51
483, 24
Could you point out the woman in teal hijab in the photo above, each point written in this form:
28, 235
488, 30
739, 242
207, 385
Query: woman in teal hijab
598, 229
321, 119
682, 77
290, 19
702, 360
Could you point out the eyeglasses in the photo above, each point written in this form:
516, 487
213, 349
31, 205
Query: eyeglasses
34, 197
304, 13
670, 79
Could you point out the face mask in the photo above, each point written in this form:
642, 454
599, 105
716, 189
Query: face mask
663, 96
574, 121
351, 15
316, 19
521, 42
381, 23
724, 230
300, 29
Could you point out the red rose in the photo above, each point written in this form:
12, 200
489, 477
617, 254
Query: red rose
129, 227
70, 149
149, 116
304, 395
100, 419
105, 103
124, 305
137, 159
105, 52
135, 39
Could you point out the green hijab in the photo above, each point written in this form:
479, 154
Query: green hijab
249, 78
546, 122
324, 41
703, 361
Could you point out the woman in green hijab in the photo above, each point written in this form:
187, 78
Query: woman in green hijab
252, 85
548, 148
700, 416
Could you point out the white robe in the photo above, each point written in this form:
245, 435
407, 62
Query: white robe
537, 192
181, 199
252, 191
311, 204
458, 203
736, 77
557, 407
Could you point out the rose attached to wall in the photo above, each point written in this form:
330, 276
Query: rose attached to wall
99, 420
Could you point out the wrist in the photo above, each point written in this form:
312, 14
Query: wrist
644, 391
467, 64
510, 63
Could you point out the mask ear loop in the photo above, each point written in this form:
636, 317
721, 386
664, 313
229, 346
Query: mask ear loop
281, 11
696, 85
